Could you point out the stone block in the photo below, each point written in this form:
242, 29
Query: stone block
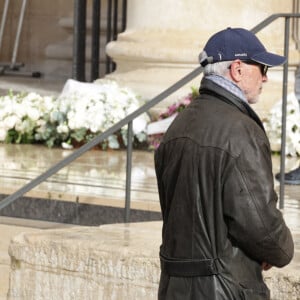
107, 262
110, 262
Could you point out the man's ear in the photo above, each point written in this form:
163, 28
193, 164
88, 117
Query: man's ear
235, 70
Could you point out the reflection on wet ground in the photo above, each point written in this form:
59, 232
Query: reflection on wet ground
97, 177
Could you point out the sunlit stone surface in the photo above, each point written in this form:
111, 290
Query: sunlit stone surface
110, 262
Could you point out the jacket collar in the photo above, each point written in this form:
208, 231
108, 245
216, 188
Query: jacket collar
211, 88
227, 85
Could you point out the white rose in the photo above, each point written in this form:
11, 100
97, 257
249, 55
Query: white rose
33, 113
2, 134
10, 122
62, 128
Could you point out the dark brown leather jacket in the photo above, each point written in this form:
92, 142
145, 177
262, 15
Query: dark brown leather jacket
220, 220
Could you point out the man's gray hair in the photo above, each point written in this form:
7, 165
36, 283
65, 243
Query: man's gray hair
218, 68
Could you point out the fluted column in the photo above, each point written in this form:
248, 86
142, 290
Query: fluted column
164, 37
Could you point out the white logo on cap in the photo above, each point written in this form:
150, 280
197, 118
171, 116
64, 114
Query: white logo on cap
240, 54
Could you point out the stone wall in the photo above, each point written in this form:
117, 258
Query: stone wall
112, 262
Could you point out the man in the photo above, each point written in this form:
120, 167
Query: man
221, 227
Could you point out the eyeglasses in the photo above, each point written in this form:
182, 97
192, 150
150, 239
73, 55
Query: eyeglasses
263, 68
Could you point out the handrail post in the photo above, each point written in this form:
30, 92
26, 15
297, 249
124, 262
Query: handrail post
78, 71
95, 49
283, 117
124, 15
128, 172
108, 34
114, 29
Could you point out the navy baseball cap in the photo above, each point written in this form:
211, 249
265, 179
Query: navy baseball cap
238, 43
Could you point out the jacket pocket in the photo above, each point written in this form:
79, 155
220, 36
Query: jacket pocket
252, 290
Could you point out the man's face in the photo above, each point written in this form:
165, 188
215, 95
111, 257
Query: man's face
252, 81
249, 76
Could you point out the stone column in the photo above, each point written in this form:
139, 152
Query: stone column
164, 37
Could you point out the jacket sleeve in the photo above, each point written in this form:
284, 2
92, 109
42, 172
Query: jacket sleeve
254, 223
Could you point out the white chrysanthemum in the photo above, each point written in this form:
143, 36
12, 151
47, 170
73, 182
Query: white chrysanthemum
33, 113
3, 133
19, 110
49, 104
10, 121
113, 142
139, 124
62, 128
66, 146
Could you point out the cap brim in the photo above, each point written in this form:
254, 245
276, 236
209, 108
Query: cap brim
269, 59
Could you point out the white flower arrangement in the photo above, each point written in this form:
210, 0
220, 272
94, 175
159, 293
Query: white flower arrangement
273, 126
21, 115
82, 111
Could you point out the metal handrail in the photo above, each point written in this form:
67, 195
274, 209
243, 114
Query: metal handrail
128, 121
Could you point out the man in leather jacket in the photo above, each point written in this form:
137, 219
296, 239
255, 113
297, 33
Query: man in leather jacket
221, 227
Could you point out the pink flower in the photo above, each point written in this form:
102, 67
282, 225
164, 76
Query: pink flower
154, 140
